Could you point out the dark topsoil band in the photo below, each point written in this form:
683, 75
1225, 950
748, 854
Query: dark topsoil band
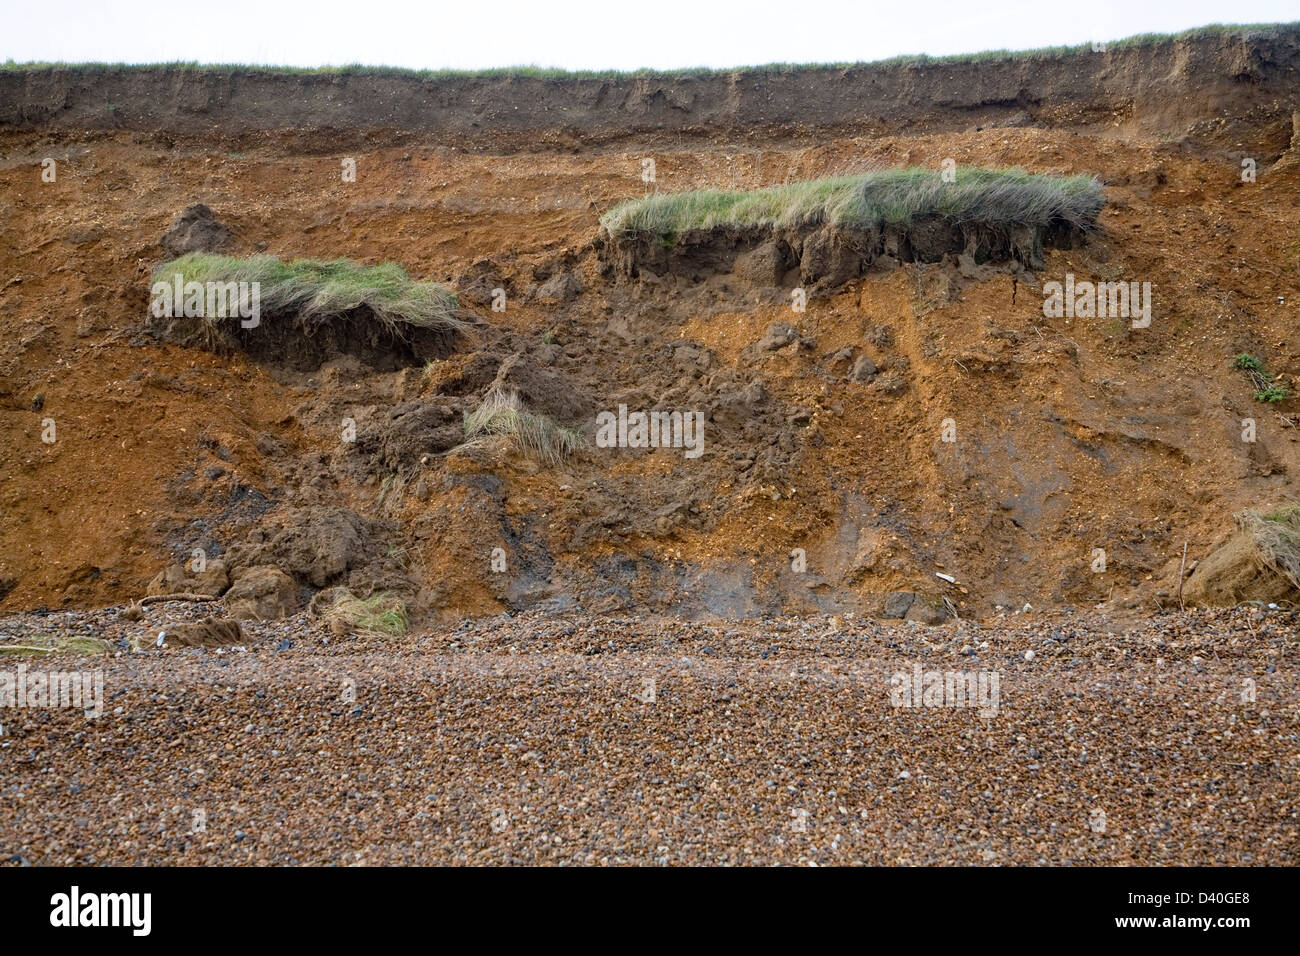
303, 345
826, 256
1236, 88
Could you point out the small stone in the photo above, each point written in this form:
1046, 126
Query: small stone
864, 370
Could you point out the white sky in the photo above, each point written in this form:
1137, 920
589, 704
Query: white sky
582, 34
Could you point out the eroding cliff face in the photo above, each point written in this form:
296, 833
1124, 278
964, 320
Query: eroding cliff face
917, 433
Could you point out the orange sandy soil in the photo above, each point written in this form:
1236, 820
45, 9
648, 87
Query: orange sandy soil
1082, 434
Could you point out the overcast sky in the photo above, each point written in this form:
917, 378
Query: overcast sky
582, 34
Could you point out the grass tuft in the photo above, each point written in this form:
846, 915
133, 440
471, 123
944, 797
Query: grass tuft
871, 200
1275, 538
381, 613
57, 644
504, 413
320, 291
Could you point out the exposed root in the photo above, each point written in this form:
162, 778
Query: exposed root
179, 596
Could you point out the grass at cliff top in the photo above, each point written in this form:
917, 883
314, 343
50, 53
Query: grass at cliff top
1243, 30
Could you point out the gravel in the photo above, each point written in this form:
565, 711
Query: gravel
586, 740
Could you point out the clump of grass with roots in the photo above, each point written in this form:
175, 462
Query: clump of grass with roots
1275, 538
383, 613
871, 200
76, 644
320, 291
503, 412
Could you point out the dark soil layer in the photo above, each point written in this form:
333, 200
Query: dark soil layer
286, 341
827, 256
1239, 89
